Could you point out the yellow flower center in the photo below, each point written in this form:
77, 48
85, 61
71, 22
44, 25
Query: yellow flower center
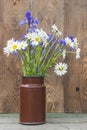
37, 39
69, 43
14, 47
61, 68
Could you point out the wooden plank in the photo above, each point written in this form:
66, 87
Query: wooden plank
75, 24
10, 14
71, 17
50, 12
10, 71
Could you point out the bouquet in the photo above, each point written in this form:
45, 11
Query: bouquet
39, 51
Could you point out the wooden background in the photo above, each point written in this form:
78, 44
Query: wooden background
67, 94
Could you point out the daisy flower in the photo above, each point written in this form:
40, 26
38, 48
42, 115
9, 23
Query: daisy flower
60, 69
43, 36
78, 53
28, 36
14, 46
11, 46
22, 45
35, 40
69, 42
7, 50
76, 43
11, 41
55, 30
64, 53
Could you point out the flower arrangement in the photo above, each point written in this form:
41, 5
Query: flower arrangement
38, 51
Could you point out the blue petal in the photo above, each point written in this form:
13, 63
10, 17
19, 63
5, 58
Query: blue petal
15, 53
71, 48
36, 21
62, 41
71, 37
50, 37
28, 14
22, 22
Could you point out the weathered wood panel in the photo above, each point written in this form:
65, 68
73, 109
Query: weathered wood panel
51, 12
10, 13
71, 17
75, 23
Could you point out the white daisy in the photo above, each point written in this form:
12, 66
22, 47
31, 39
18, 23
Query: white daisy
7, 50
78, 53
22, 45
76, 43
69, 42
64, 53
35, 40
60, 69
43, 36
9, 42
14, 46
55, 30
28, 36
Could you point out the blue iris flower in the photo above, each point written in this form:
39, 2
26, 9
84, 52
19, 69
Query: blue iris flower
32, 22
35, 21
52, 48
15, 53
54, 40
28, 14
50, 37
36, 69
62, 42
71, 37
32, 30
29, 17
71, 48
22, 22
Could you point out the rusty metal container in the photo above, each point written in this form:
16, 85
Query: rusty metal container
32, 100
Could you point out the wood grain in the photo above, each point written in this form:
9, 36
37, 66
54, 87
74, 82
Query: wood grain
10, 70
76, 79
67, 94
51, 12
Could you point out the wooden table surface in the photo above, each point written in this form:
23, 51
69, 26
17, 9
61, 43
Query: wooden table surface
54, 121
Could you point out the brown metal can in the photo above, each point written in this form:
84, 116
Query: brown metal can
32, 100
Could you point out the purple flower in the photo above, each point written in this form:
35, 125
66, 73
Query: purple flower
23, 36
32, 22
36, 69
62, 42
29, 17
28, 14
15, 53
71, 48
32, 30
52, 48
71, 37
22, 22
50, 37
